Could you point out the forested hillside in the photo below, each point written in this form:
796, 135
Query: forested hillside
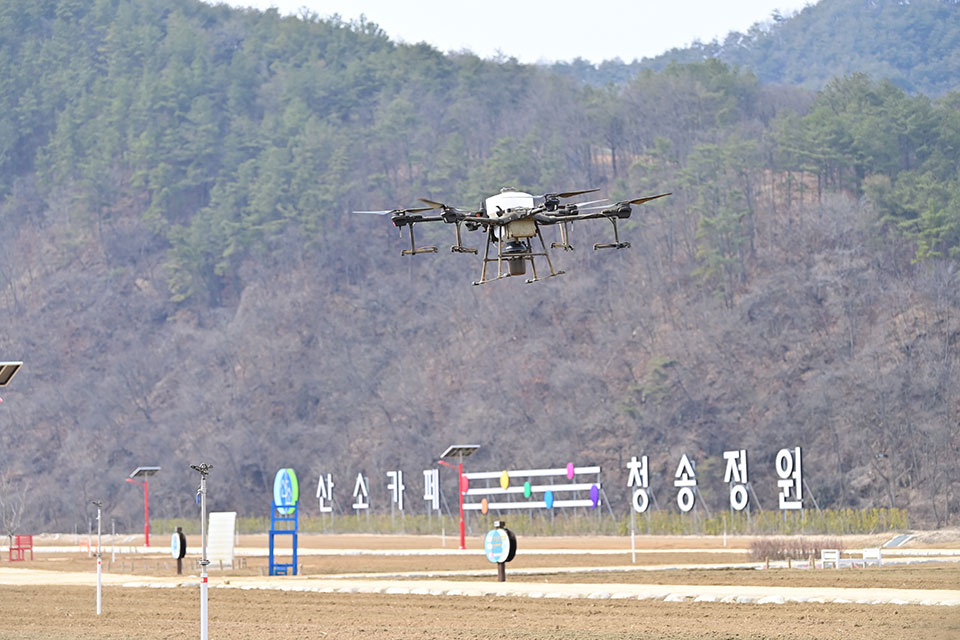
179, 270
912, 43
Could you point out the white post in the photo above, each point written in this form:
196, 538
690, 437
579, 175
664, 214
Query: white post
99, 504
633, 536
113, 540
204, 469
724, 530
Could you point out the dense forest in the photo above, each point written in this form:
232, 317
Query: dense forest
181, 274
912, 43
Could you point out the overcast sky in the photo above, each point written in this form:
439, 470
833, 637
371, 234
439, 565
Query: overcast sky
540, 30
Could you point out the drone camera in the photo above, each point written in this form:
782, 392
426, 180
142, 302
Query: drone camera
551, 203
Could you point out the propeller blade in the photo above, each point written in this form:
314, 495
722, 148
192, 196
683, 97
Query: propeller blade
648, 198
396, 211
578, 205
570, 194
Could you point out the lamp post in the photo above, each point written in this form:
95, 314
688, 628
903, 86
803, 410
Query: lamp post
145, 473
99, 504
203, 469
459, 451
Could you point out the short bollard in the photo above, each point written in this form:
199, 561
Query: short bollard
500, 546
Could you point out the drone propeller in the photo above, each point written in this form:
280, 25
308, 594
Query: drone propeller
570, 194
647, 199
396, 212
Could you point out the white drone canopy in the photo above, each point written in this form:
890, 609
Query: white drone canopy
498, 205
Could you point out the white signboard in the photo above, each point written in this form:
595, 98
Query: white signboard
639, 478
361, 494
790, 472
736, 476
325, 493
686, 481
396, 487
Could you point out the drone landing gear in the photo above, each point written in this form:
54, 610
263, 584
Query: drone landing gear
511, 257
616, 244
564, 239
459, 248
414, 249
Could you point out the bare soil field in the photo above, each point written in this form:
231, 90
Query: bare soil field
57, 611
61, 613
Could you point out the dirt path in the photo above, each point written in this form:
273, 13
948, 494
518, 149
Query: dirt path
61, 613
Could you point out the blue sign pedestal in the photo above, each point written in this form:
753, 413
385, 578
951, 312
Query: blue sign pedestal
283, 524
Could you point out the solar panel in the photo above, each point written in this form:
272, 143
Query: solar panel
459, 450
7, 371
145, 472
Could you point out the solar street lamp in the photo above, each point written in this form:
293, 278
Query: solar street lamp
459, 451
145, 473
7, 371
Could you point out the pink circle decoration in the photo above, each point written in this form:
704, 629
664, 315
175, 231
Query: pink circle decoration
569, 471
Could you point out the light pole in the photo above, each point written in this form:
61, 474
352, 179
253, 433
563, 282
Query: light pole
99, 505
203, 469
459, 451
145, 473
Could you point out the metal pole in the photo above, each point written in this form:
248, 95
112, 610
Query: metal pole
463, 529
99, 504
146, 512
203, 469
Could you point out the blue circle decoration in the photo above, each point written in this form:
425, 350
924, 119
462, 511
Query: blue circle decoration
548, 499
594, 496
286, 490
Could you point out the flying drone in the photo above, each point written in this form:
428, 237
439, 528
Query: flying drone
512, 220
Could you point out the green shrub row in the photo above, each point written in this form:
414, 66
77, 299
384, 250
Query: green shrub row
574, 523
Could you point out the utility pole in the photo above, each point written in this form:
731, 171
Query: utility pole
203, 469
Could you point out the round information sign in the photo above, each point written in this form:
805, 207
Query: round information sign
286, 490
500, 545
178, 545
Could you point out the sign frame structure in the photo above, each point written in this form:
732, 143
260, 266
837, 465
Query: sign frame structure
286, 514
549, 491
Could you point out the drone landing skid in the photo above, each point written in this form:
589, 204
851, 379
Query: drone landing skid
616, 244
414, 249
459, 248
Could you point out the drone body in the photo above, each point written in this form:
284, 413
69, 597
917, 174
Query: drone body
512, 221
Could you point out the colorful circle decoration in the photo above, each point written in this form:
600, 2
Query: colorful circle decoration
594, 496
484, 506
548, 499
286, 490
504, 480
178, 545
464, 484
526, 489
569, 471
496, 545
